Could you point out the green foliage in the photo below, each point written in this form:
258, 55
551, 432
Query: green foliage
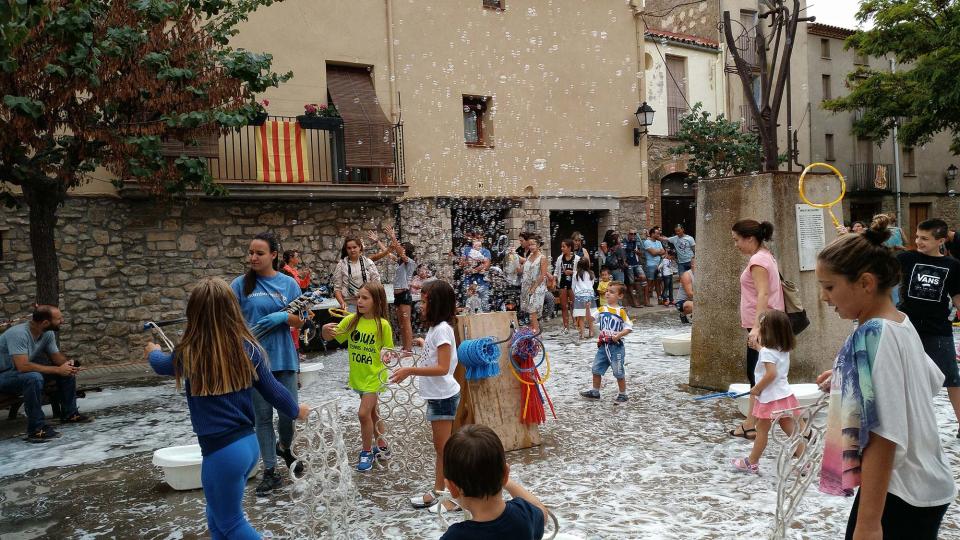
716, 147
120, 77
924, 94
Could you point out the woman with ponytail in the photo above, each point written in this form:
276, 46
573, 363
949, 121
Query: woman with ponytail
759, 291
882, 441
263, 293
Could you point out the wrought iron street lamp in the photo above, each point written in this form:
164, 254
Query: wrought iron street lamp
644, 116
951, 173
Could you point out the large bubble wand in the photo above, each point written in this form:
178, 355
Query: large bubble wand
829, 206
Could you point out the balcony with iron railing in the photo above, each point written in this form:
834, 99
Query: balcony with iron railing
674, 114
233, 161
870, 177
749, 123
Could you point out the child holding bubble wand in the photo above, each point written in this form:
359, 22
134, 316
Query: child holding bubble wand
367, 332
772, 391
438, 304
219, 364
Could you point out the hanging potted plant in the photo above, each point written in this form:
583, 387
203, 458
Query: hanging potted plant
320, 117
261, 115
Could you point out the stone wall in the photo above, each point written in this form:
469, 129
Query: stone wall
427, 227
123, 262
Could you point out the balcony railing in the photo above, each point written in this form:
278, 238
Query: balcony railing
325, 148
674, 114
749, 123
867, 176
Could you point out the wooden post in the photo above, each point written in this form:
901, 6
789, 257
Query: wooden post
494, 402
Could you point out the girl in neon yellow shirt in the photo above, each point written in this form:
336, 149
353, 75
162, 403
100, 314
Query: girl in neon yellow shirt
366, 332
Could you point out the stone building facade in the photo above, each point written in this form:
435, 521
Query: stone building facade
124, 262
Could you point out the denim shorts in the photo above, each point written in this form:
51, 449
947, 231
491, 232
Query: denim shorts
651, 271
941, 350
442, 409
610, 355
402, 298
634, 274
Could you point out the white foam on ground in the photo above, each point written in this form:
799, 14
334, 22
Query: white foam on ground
656, 467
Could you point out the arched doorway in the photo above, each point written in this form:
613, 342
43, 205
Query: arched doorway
678, 203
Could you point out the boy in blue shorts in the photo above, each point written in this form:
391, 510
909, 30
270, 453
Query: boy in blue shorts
614, 324
476, 472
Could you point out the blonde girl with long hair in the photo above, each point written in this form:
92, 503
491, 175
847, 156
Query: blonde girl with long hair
366, 332
219, 364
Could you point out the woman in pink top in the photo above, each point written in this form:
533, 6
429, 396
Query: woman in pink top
759, 291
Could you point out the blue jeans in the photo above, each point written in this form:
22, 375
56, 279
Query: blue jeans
263, 413
667, 287
610, 355
617, 275
224, 476
30, 386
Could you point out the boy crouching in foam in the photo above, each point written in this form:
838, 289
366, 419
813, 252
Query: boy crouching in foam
476, 472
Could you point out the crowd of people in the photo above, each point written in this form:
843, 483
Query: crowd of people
881, 442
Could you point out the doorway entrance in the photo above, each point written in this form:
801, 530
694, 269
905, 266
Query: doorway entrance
863, 211
563, 223
678, 203
919, 212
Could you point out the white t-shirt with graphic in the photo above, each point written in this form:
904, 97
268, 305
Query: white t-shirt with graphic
442, 386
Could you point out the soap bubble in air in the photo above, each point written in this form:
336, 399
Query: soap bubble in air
539, 164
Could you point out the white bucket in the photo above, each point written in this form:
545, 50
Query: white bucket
807, 394
677, 344
181, 466
309, 373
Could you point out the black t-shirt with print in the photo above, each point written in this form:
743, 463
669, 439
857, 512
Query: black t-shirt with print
926, 286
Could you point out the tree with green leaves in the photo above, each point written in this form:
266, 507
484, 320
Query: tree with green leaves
922, 96
102, 83
716, 147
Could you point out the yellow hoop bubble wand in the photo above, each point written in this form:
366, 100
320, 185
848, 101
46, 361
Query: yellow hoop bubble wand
829, 206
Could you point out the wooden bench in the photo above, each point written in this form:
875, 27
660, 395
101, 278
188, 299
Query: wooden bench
14, 401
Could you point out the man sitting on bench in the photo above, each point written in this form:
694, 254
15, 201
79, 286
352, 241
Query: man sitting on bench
29, 358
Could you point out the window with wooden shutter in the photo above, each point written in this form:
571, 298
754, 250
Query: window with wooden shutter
476, 124
367, 133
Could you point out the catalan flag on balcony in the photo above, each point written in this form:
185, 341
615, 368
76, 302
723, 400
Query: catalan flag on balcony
282, 153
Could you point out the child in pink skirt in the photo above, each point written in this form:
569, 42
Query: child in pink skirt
772, 390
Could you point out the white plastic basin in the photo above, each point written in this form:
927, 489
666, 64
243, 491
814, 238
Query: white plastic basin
807, 394
309, 373
677, 344
181, 466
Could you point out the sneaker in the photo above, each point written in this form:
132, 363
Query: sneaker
77, 418
270, 481
382, 453
366, 461
743, 465
288, 458
42, 434
592, 393
684, 319
622, 398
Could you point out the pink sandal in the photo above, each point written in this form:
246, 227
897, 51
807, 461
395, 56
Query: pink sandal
743, 465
